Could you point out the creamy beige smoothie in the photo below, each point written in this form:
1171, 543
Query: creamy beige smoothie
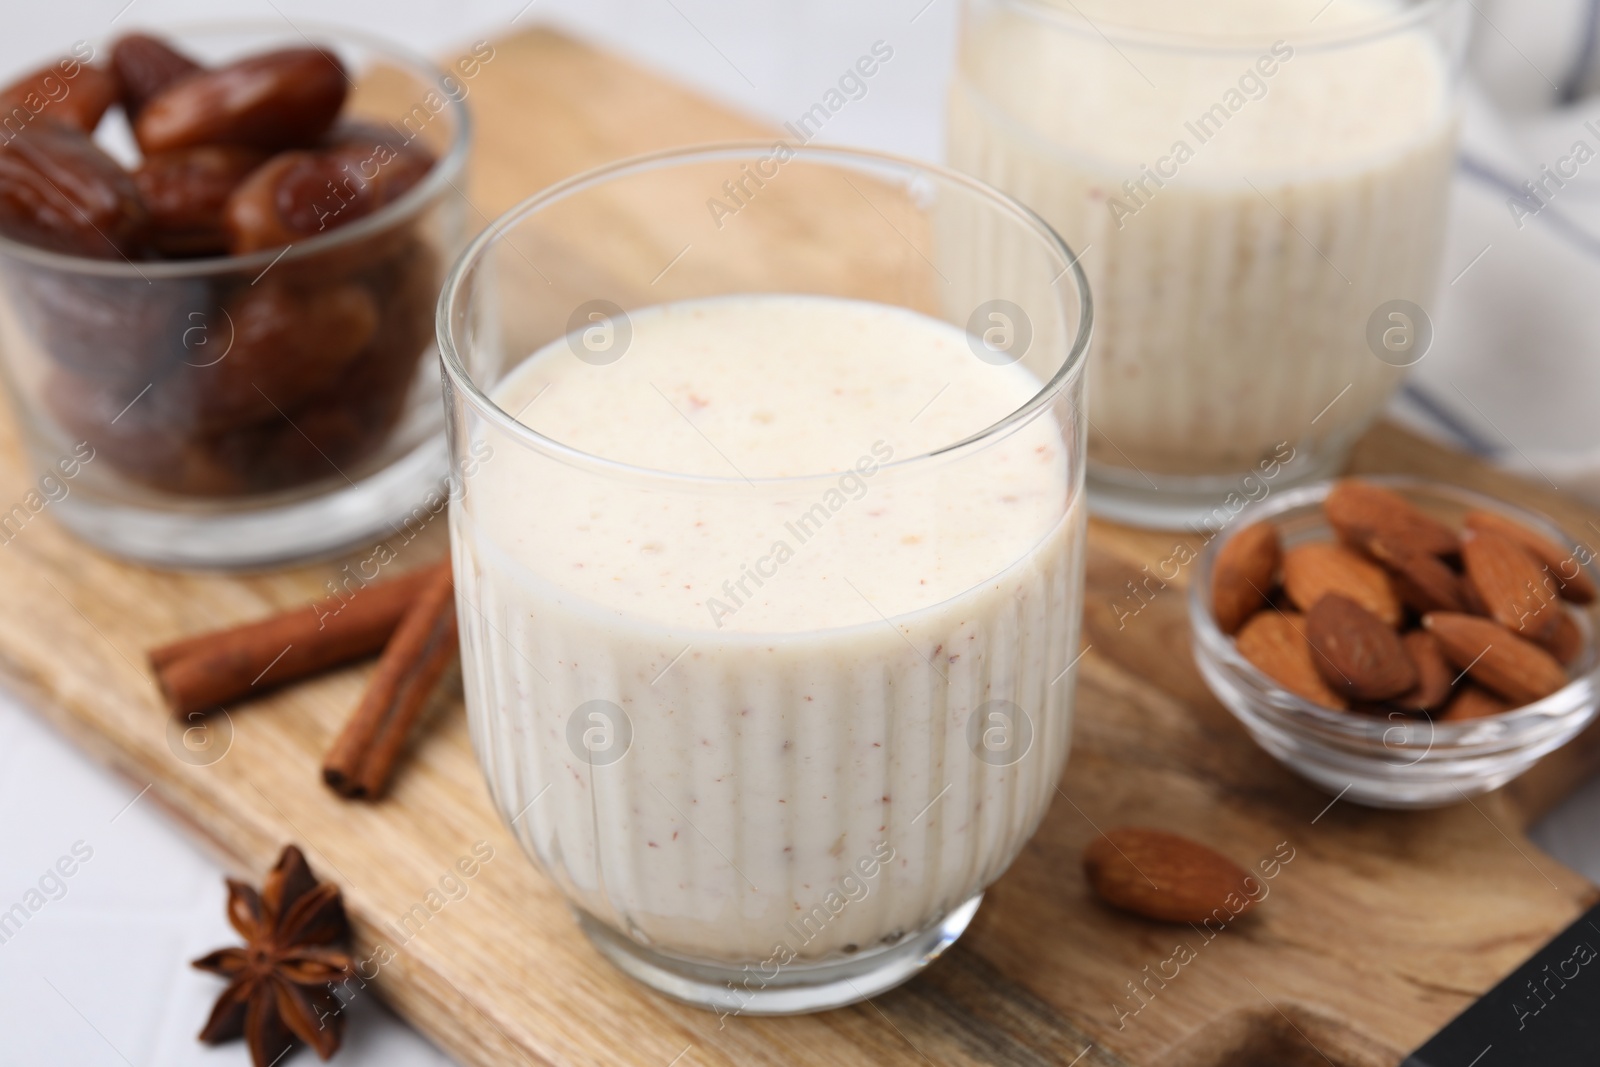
1240, 210
737, 711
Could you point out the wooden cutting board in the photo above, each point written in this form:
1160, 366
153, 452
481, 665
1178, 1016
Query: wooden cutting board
1379, 930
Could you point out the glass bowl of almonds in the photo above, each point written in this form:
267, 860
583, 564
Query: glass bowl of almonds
220, 249
1400, 643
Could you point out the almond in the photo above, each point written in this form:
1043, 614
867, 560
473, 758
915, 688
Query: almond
1244, 574
1359, 511
1511, 583
1472, 602
1356, 653
1161, 875
1276, 644
1423, 582
1311, 571
1564, 641
1507, 665
1435, 676
1575, 584
1473, 702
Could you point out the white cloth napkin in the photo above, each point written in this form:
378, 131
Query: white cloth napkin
1514, 371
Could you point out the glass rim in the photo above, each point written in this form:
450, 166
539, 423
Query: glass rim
444, 171
1050, 12
453, 294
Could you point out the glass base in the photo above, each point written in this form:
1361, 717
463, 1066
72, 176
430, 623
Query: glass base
796, 988
262, 537
1181, 502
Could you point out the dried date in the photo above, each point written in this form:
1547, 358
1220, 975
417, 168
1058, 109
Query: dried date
278, 347
298, 195
185, 192
145, 67
275, 100
377, 384
349, 421
407, 286
124, 331
59, 191
296, 448
126, 430
69, 92
294, 378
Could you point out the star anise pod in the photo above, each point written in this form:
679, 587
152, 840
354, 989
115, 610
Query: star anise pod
280, 984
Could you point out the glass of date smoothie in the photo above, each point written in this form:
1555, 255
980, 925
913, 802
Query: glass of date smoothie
220, 249
1258, 189
768, 539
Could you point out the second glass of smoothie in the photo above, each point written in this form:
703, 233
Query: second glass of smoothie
1258, 191
768, 542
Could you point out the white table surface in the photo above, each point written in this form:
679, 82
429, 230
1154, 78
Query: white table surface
100, 976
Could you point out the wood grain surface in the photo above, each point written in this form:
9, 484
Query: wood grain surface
1381, 928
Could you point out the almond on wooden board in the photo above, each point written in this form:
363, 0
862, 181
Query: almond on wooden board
1423, 581
1276, 644
1359, 511
1161, 875
1512, 584
1244, 574
1356, 653
1575, 585
1499, 660
1313, 570
1434, 674
1473, 702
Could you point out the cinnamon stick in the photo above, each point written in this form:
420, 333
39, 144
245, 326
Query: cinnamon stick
203, 672
362, 759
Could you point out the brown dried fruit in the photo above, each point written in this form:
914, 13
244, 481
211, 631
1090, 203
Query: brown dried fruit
378, 382
1472, 600
1163, 876
1360, 511
301, 447
68, 91
274, 100
1244, 573
1435, 676
1574, 583
126, 432
145, 67
1355, 652
372, 392
375, 169
120, 329
1473, 702
1514, 668
1564, 641
1423, 581
1511, 583
59, 191
1276, 644
302, 194
185, 192
286, 347
1313, 570
173, 437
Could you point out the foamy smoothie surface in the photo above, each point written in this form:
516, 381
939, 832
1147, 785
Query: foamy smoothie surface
820, 391
1290, 101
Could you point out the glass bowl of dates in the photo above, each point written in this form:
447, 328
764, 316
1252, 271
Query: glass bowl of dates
220, 251
1399, 643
